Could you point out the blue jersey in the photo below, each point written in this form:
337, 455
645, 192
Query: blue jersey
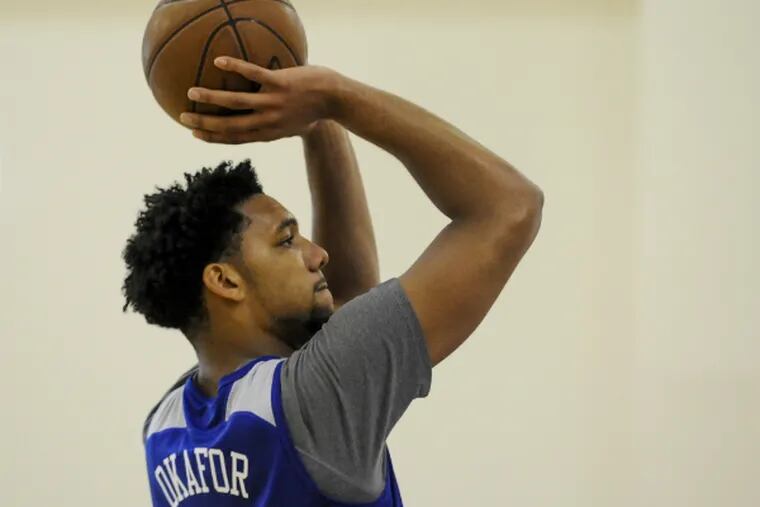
237, 448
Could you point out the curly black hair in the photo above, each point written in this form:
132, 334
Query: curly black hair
180, 231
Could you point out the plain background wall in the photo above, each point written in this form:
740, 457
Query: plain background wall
619, 366
696, 360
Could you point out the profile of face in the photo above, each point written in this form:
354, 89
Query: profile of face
283, 291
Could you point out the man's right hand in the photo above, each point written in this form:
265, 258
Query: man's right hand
288, 104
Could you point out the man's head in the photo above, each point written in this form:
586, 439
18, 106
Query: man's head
221, 257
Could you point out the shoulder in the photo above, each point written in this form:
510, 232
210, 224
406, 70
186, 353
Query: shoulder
167, 413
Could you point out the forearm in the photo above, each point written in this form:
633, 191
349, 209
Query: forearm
460, 176
341, 221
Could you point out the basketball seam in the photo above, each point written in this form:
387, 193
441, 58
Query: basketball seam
202, 62
279, 37
234, 30
188, 22
174, 34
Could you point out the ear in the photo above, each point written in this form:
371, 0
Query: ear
224, 281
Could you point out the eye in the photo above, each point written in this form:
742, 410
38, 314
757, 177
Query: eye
288, 241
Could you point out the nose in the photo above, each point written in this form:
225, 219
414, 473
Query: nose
319, 257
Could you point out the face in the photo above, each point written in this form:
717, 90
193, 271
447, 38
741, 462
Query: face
285, 285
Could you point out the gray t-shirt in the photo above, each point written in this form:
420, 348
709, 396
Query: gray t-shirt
343, 392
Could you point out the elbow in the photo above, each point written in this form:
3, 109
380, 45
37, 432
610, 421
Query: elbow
537, 213
535, 200
522, 218
524, 206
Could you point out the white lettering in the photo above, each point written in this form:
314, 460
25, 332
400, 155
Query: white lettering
192, 482
201, 467
170, 463
166, 487
239, 475
179, 484
220, 488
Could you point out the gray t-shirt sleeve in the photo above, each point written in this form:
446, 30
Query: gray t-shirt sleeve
343, 392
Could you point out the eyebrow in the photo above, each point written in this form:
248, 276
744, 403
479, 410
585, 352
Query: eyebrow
285, 224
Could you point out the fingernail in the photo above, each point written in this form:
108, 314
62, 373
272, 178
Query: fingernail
184, 118
221, 62
193, 94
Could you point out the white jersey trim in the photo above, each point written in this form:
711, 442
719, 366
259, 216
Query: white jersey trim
253, 392
170, 414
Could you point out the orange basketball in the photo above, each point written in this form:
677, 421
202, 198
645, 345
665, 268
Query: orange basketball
183, 37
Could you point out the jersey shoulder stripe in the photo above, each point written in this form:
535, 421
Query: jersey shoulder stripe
253, 392
176, 387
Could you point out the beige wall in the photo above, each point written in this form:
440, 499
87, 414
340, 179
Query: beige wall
615, 369
696, 408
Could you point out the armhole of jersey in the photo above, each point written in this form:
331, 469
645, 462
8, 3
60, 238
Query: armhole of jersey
287, 441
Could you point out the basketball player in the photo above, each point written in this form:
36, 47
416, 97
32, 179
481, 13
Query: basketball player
298, 385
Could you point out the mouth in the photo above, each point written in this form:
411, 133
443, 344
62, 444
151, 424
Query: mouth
321, 287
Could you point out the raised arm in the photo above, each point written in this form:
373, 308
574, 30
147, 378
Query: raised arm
341, 220
495, 211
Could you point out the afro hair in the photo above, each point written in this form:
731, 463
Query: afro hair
180, 231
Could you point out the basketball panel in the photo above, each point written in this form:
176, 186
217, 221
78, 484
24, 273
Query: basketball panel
264, 48
279, 18
212, 77
166, 20
176, 66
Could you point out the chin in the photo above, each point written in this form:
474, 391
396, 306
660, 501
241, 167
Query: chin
319, 316
323, 311
323, 305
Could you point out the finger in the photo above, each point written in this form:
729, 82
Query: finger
246, 69
228, 99
239, 137
229, 124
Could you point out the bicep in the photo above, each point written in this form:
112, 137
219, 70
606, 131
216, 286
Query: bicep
457, 279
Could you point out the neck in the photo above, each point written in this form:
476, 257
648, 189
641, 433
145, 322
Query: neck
217, 358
